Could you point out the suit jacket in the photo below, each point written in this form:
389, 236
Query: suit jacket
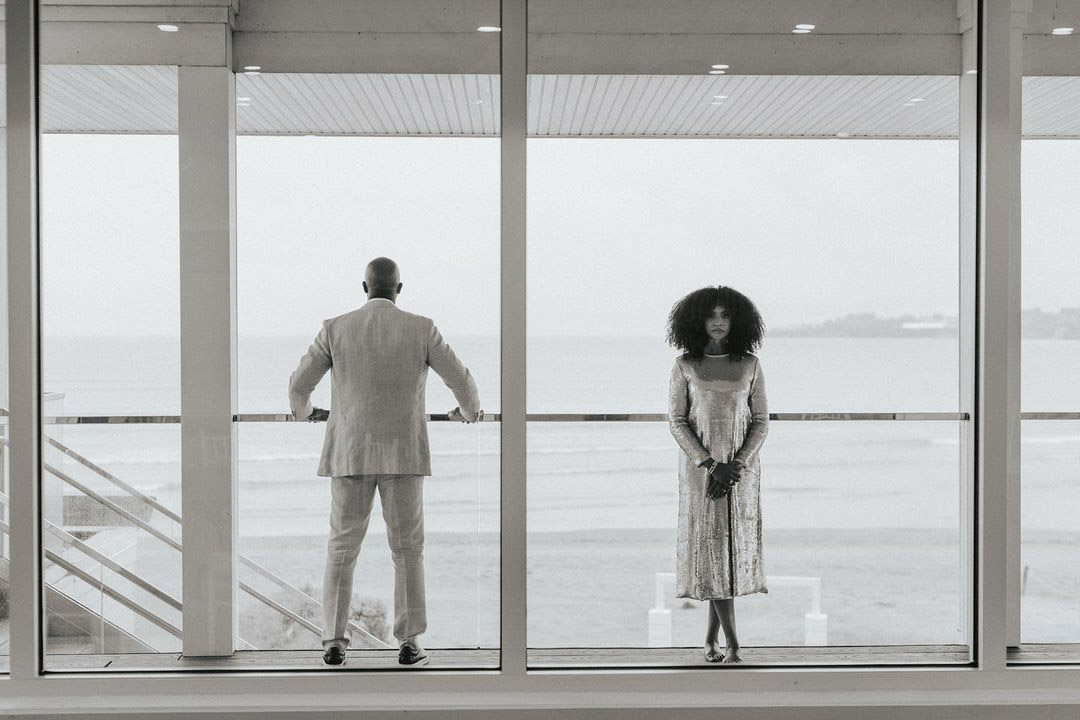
378, 357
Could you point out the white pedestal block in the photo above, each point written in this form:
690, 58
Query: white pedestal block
659, 627
817, 629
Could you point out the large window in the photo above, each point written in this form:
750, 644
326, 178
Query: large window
668, 154
313, 211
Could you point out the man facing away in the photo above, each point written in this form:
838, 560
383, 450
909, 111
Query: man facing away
376, 438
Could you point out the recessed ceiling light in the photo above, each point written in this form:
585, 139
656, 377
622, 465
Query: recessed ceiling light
718, 72
720, 97
243, 99
797, 31
972, 72
243, 104
805, 26
720, 67
252, 72
916, 100
168, 28
253, 67
489, 28
478, 102
843, 134
716, 103
909, 104
1062, 31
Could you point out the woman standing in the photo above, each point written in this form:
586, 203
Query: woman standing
719, 416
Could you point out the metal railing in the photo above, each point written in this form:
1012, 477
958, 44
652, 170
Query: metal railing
106, 589
566, 417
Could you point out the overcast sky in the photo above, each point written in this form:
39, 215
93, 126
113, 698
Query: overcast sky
618, 229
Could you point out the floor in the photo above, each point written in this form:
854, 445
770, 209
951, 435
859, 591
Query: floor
556, 658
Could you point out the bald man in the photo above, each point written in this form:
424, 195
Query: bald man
376, 440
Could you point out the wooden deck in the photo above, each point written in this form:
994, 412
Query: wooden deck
270, 661
1052, 654
800, 656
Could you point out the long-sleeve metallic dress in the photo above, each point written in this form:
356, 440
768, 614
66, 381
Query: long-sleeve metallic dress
717, 408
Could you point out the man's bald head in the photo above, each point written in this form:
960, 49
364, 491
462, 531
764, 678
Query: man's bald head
382, 279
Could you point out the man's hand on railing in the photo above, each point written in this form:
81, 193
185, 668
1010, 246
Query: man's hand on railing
318, 415
456, 414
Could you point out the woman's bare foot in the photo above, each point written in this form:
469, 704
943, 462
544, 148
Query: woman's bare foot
731, 654
712, 652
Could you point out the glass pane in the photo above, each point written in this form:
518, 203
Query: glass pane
698, 145
284, 522
860, 519
111, 348
1051, 485
400, 162
1050, 327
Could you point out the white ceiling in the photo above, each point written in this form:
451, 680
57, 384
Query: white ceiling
142, 99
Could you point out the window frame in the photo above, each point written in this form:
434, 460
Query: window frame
989, 286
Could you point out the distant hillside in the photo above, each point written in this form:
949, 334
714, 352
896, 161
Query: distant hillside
1059, 325
1035, 324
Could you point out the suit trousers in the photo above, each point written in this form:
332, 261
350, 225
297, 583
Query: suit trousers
402, 500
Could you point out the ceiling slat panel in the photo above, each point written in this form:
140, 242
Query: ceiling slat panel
142, 99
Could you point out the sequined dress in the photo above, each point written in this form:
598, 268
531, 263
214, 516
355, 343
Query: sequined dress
717, 408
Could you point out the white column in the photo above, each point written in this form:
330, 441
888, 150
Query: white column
24, 381
513, 514
997, 419
207, 123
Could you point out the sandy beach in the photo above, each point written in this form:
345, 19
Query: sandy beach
595, 588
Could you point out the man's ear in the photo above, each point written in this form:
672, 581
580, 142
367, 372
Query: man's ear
364, 285
399, 286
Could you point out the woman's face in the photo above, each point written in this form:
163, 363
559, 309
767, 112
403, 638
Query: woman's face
718, 324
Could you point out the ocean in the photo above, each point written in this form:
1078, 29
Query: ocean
881, 501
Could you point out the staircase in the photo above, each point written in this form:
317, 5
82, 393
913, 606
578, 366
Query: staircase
96, 601
68, 618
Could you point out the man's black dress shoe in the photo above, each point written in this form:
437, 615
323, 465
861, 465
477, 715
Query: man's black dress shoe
334, 656
408, 655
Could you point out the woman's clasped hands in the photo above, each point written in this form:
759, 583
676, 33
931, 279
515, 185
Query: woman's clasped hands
722, 477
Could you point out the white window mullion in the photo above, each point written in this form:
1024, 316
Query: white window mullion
1018, 21
513, 496
998, 386
24, 366
968, 244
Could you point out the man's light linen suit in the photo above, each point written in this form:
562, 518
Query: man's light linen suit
376, 438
